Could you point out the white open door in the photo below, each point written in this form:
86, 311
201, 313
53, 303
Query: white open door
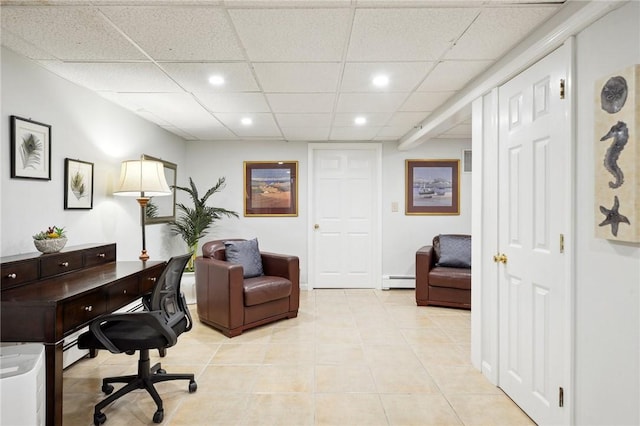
534, 218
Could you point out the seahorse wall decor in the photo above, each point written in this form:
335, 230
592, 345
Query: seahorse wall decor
617, 155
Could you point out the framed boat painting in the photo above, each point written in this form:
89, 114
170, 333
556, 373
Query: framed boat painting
432, 187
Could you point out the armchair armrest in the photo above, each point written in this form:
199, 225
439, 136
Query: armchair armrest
424, 262
286, 266
219, 283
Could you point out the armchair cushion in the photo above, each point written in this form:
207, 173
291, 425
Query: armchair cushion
247, 254
264, 289
455, 251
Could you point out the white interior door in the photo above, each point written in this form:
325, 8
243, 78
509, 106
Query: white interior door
345, 195
534, 215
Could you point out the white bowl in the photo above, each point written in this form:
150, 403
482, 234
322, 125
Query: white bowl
51, 245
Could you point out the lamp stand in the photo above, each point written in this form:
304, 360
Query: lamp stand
143, 201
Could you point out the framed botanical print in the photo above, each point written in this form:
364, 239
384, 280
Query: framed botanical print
78, 184
30, 149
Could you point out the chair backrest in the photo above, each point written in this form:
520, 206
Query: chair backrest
166, 295
216, 249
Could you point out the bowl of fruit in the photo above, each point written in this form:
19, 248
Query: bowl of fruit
51, 240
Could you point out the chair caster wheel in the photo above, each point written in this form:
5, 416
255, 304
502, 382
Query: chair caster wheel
99, 419
193, 386
107, 389
158, 416
161, 371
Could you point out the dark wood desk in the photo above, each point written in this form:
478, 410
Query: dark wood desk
44, 298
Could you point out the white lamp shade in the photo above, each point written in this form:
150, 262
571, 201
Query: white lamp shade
137, 176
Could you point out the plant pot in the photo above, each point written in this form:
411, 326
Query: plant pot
188, 287
51, 245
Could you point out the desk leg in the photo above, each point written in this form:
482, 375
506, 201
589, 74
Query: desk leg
53, 358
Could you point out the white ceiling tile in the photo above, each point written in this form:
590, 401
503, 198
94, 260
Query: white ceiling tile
370, 102
114, 76
233, 102
68, 33
282, 35
392, 132
263, 124
178, 109
298, 77
406, 34
403, 76
301, 102
306, 134
304, 120
178, 33
483, 40
407, 119
425, 101
23, 47
373, 119
452, 75
354, 133
194, 77
211, 132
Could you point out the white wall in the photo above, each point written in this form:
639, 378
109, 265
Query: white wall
84, 126
607, 339
402, 234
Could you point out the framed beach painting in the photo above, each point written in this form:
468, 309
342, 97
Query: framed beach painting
30, 149
78, 184
271, 188
432, 187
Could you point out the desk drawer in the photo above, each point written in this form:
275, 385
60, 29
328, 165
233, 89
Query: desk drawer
16, 273
99, 255
149, 278
122, 292
55, 264
83, 309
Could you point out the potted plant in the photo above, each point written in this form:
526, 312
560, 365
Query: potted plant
51, 240
194, 221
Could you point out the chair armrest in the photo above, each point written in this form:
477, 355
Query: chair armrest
219, 291
424, 262
286, 266
153, 319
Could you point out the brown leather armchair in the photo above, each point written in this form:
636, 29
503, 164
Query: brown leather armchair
231, 303
439, 285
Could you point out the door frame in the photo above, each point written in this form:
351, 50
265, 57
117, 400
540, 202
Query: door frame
376, 228
485, 319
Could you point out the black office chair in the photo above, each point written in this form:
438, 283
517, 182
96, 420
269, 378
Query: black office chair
156, 328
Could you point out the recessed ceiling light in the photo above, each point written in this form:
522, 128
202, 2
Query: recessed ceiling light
246, 121
380, 80
360, 121
216, 80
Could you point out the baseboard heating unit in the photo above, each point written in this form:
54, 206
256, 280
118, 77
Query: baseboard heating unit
398, 281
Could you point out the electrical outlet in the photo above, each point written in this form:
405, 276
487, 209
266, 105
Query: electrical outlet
394, 206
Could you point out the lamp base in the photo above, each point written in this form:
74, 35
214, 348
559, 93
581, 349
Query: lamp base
144, 256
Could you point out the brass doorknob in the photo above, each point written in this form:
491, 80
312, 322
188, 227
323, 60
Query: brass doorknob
316, 226
500, 258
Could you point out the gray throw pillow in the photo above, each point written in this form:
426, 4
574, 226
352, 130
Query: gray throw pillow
247, 254
455, 251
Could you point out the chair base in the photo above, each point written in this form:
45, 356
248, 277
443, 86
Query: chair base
232, 332
145, 379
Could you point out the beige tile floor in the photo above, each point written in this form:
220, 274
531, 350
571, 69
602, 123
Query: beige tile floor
352, 357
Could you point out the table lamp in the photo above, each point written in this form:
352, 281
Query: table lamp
142, 179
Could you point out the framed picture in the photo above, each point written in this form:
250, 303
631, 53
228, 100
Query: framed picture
78, 184
30, 149
163, 209
271, 188
432, 187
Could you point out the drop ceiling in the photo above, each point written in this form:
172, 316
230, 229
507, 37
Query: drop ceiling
301, 70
